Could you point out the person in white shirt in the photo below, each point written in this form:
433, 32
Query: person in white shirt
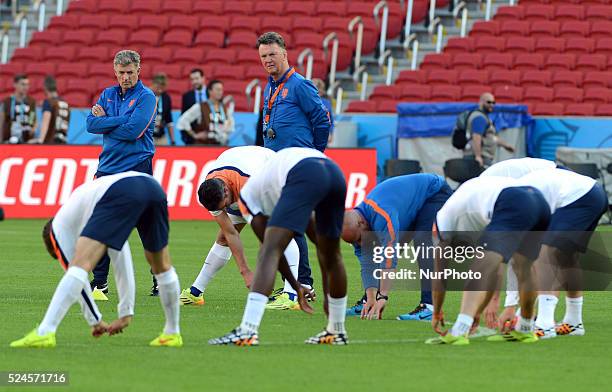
518, 167
98, 218
488, 205
279, 203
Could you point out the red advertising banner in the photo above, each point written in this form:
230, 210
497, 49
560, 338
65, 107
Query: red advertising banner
35, 180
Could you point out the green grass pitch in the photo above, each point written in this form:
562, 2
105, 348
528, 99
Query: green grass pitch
383, 355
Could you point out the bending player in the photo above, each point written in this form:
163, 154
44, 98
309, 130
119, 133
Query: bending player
279, 202
219, 194
97, 218
488, 205
400, 204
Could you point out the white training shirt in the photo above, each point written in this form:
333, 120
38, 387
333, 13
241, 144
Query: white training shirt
72, 217
248, 159
560, 187
470, 208
262, 191
517, 168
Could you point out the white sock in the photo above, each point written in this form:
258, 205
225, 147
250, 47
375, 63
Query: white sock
524, 325
169, 291
573, 310
337, 314
546, 311
67, 293
292, 254
462, 325
217, 258
253, 312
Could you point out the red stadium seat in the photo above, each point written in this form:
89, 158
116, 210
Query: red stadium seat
83, 7
539, 94
97, 22
597, 95
111, 38
94, 54
60, 53
517, 45
544, 28
514, 28
188, 23
547, 109
294, 8
214, 23
546, 45
601, 29
591, 62
173, 71
536, 78
274, 23
597, 79
336, 24
232, 7
560, 61
473, 77
153, 55
230, 72
306, 24
539, 12
209, 39
113, 7
415, 92
579, 45
528, 61
235, 87
81, 37
123, 22
387, 106
473, 92
568, 12
459, 45
447, 93
28, 54
489, 44
184, 56
175, 39
442, 77
330, 8
567, 79
78, 100
45, 38
574, 28
64, 22
499, 78
242, 39
266, 8
144, 38
153, 22
508, 94
11, 69
603, 110
100, 70
436, 61
509, 13
485, 28
412, 77
497, 61
604, 46
85, 86
361, 107
462, 61
255, 72
579, 109
248, 58
568, 95
245, 23
385, 92
207, 8
220, 56
176, 7
598, 13
39, 69
71, 70
178, 86
139, 7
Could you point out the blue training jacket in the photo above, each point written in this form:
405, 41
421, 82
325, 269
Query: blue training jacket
127, 128
298, 117
390, 208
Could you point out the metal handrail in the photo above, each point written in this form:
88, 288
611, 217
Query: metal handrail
60, 7
334, 55
415, 54
461, 11
23, 31
439, 38
364, 86
383, 24
41, 6
357, 21
390, 61
383, 58
230, 103
433, 26
300, 61
432, 11
408, 23
339, 94
488, 9
5, 44
255, 83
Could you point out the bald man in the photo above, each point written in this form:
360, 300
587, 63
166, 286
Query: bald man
481, 132
395, 206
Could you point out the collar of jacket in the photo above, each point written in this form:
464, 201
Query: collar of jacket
130, 91
281, 80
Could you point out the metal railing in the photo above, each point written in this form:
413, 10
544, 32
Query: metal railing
5, 44
22, 22
432, 12
382, 5
390, 63
309, 62
41, 6
488, 9
415, 55
461, 11
408, 22
339, 95
60, 7
254, 84
357, 21
331, 37
364, 86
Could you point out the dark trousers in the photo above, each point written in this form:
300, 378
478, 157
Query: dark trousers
304, 272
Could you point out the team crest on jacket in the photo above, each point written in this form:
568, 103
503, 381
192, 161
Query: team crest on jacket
285, 92
131, 103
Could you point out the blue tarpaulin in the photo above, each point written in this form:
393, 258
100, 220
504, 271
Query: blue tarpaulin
438, 119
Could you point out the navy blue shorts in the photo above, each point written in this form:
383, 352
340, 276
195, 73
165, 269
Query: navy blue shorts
131, 202
520, 216
571, 227
145, 167
314, 184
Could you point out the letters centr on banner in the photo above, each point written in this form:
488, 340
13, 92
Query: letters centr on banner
36, 180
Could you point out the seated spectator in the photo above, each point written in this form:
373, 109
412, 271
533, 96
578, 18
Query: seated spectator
18, 114
163, 119
320, 85
214, 122
55, 116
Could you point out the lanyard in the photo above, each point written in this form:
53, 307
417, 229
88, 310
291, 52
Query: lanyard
273, 97
218, 117
13, 114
